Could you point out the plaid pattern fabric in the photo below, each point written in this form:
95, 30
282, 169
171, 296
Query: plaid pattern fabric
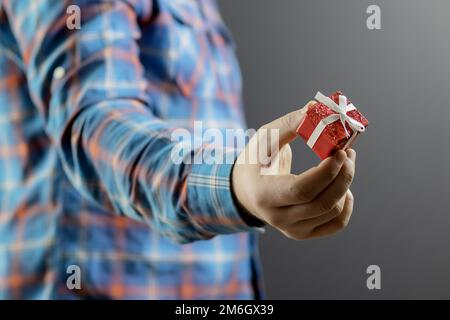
86, 177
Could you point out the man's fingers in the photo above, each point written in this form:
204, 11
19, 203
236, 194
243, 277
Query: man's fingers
337, 223
313, 181
288, 124
313, 223
329, 224
304, 229
271, 138
289, 190
303, 217
328, 198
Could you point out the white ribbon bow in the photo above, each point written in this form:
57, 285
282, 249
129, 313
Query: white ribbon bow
341, 110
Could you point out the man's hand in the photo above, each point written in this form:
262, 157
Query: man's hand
316, 203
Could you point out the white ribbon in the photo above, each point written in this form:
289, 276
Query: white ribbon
341, 110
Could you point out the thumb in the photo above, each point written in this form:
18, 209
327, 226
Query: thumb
288, 124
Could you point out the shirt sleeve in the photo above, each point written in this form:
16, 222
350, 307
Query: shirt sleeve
89, 86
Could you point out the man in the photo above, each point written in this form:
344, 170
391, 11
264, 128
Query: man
87, 181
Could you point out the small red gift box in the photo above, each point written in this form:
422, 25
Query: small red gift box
331, 124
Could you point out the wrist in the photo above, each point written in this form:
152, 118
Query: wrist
245, 215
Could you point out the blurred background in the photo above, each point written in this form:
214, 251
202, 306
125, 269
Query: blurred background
399, 77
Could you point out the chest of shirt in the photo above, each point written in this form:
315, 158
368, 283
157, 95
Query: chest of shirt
187, 51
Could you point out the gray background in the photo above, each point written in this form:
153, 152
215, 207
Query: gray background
400, 78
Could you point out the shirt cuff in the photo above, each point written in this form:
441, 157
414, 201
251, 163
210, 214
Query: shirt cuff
210, 199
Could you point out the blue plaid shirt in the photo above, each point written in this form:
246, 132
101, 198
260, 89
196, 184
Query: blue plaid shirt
86, 176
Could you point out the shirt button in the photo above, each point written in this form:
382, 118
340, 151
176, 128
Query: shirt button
59, 73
